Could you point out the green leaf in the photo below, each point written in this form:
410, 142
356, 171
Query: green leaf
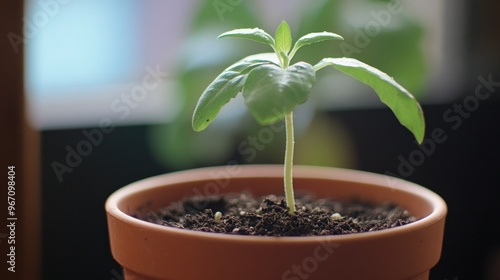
283, 59
283, 38
225, 87
312, 38
400, 101
255, 34
271, 92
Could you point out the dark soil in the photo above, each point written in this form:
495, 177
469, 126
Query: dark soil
242, 214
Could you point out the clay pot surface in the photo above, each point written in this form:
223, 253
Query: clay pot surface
150, 251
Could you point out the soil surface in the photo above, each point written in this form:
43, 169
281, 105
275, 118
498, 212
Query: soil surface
243, 214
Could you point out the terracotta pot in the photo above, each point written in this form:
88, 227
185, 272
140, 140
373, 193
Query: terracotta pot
150, 251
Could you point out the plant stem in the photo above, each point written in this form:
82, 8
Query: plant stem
289, 197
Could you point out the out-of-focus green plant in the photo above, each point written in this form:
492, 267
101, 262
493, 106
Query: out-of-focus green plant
174, 144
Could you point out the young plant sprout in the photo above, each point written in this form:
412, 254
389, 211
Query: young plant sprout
272, 87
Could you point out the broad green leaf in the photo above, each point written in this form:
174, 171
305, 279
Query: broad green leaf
312, 38
283, 38
400, 101
225, 87
255, 34
271, 92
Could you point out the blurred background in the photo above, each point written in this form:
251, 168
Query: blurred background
110, 87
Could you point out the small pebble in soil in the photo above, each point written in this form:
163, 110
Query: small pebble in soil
336, 216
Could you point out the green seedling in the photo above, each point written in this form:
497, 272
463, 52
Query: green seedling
272, 87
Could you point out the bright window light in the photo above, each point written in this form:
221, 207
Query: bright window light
93, 61
115, 61
86, 43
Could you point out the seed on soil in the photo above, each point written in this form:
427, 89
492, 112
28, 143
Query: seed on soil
217, 216
336, 216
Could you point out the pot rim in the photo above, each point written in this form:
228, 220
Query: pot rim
264, 170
